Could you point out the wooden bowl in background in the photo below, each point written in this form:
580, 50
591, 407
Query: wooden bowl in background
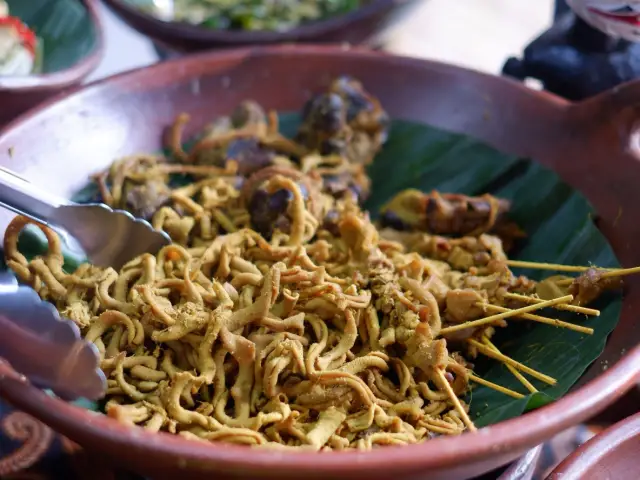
613, 454
71, 52
593, 146
361, 26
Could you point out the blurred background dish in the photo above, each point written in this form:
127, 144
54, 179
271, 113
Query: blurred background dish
346, 21
20, 48
482, 35
49, 45
613, 454
253, 15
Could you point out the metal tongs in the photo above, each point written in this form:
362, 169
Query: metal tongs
45, 348
39, 344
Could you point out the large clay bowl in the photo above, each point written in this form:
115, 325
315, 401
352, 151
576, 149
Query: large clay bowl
18, 94
356, 27
613, 454
591, 145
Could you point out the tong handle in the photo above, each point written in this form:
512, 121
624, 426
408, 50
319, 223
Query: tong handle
22, 197
46, 349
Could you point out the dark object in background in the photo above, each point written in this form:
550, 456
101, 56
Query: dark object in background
574, 60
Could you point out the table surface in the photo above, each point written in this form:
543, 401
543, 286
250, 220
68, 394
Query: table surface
473, 33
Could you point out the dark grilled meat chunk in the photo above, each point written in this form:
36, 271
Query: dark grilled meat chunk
448, 214
143, 200
250, 155
248, 113
267, 211
346, 121
590, 285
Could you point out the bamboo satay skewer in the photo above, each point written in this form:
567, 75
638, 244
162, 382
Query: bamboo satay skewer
547, 320
506, 314
455, 400
562, 306
495, 386
508, 360
512, 369
621, 272
554, 266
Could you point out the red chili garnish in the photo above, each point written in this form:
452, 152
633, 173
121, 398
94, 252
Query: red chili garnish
424, 314
27, 36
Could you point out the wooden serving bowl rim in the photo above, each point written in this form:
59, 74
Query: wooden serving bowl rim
63, 78
597, 390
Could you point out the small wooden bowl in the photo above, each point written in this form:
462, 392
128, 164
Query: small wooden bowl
612, 454
594, 146
357, 27
18, 94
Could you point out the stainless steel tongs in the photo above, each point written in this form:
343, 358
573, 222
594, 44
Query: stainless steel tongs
33, 338
45, 348
109, 238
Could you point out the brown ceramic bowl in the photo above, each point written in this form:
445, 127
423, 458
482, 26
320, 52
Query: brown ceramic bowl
593, 146
18, 94
613, 454
357, 27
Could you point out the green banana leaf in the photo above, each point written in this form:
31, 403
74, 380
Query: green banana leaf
64, 28
560, 230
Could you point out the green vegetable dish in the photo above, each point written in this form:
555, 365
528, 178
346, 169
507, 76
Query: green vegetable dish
270, 15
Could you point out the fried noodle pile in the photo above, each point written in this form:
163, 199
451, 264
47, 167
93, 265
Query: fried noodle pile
281, 315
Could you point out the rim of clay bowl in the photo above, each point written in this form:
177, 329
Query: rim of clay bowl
502, 439
587, 459
304, 32
67, 77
